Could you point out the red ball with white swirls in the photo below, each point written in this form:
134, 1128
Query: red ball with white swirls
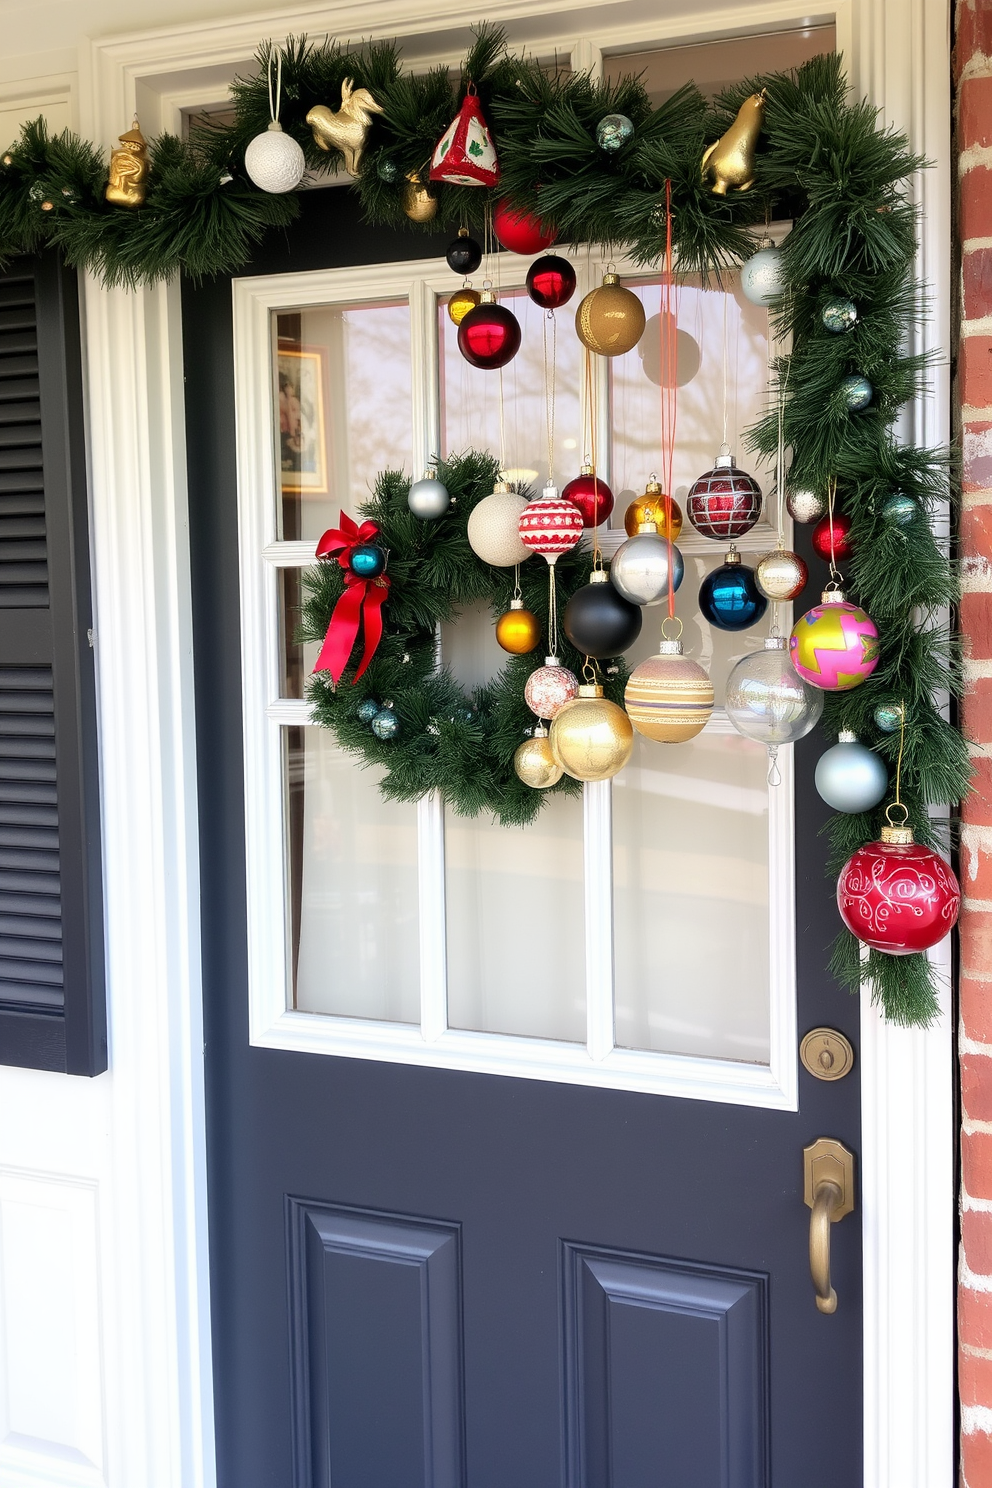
550, 526
725, 502
898, 897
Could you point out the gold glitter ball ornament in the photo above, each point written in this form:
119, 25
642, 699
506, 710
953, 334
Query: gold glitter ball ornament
669, 697
651, 508
610, 320
461, 302
781, 575
591, 738
518, 631
534, 763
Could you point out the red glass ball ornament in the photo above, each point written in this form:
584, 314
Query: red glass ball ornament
520, 231
489, 335
551, 281
841, 528
549, 525
898, 896
725, 502
591, 495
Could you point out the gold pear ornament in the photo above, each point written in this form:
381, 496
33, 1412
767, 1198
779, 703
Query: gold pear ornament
128, 169
419, 203
347, 128
729, 163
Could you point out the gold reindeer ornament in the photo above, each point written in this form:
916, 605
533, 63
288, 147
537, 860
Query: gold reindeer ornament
730, 162
347, 128
128, 169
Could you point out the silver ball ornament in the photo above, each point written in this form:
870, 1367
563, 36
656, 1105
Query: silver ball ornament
385, 724
493, 528
850, 777
639, 568
763, 276
613, 131
839, 316
857, 392
428, 498
274, 160
900, 510
804, 504
888, 717
766, 699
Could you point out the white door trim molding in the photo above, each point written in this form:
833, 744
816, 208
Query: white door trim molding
158, 1328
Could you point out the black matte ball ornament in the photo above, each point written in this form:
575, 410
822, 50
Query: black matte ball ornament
598, 621
551, 281
464, 255
729, 597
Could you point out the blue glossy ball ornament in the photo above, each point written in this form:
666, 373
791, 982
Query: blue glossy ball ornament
613, 131
729, 597
367, 710
385, 724
857, 392
888, 717
367, 561
849, 777
900, 510
839, 316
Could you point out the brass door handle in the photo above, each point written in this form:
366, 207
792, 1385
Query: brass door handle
829, 1174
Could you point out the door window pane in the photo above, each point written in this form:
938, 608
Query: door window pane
297, 660
353, 879
716, 65
342, 407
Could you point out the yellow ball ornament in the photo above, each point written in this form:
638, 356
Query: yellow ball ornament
669, 697
591, 738
518, 631
534, 763
610, 320
651, 508
461, 302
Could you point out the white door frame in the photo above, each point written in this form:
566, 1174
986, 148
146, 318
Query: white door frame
158, 1316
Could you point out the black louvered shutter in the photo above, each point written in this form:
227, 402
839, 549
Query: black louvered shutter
52, 1013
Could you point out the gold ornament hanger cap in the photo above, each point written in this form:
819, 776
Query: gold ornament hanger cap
833, 596
599, 576
590, 690
653, 487
774, 643
134, 136
732, 555
463, 232
669, 648
487, 297
647, 527
847, 736
611, 277
501, 488
896, 836
516, 604
587, 469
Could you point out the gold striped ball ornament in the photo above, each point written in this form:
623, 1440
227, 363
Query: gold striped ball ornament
534, 763
493, 528
610, 320
518, 631
461, 302
669, 697
591, 738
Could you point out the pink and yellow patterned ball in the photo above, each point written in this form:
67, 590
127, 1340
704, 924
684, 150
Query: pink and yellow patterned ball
550, 526
834, 646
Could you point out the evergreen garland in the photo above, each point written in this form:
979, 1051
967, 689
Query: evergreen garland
459, 744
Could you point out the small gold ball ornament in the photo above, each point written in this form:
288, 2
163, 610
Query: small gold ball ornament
781, 575
651, 508
534, 763
610, 320
518, 631
461, 302
669, 697
591, 738
419, 203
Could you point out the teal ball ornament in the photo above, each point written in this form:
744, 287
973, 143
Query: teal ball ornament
839, 315
385, 724
857, 392
387, 170
367, 710
849, 777
613, 131
888, 717
367, 561
428, 498
900, 510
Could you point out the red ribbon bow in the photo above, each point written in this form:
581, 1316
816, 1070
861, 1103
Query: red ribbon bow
362, 600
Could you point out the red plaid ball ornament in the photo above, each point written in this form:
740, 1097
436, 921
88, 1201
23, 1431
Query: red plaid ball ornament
725, 502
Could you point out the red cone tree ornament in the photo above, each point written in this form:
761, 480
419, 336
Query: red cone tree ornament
489, 335
898, 896
520, 231
465, 154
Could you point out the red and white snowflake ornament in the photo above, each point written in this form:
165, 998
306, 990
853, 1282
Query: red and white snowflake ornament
465, 154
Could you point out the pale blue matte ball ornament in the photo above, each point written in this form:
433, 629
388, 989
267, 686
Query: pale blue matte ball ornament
839, 316
385, 724
900, 510
763, 276
849, 777
366, 710
857, 392
613, 131
888, 717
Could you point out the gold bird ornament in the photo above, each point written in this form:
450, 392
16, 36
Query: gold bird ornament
347, 128
729, 163
128, 169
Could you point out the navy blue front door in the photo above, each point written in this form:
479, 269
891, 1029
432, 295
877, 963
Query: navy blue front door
428, 1278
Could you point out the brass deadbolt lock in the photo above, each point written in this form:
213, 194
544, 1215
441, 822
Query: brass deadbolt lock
826, 1053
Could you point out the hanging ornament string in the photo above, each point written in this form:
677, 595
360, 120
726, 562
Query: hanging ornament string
589, 416
550, 372
669, 389
276, 101
898, 802
726, 370
835, 575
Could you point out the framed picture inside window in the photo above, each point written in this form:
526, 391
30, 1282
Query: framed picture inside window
304, 373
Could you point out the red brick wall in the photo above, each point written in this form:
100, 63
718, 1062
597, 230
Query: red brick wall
973, 108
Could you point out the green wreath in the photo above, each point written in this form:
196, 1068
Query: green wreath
457, 743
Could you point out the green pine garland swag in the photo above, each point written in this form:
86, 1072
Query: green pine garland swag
459, 744
822, 160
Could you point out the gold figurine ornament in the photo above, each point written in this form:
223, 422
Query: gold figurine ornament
129, 169
729, 163
347, 128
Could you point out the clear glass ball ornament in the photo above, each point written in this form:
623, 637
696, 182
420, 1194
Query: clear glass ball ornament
274, 161
766, 700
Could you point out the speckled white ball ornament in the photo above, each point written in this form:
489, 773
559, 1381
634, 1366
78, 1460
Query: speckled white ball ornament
493, 528
763, 276
275, 161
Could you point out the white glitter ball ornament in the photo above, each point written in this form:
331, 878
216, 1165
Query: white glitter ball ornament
275, 161
493, 533
763, 276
